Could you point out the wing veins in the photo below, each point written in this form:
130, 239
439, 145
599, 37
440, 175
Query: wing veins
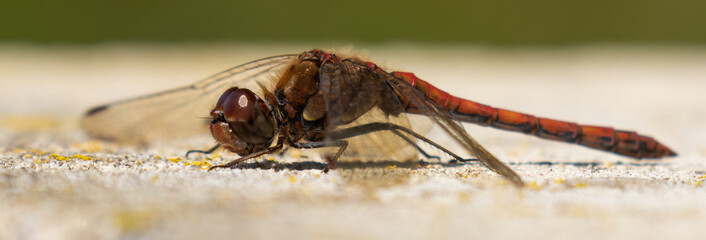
445, 120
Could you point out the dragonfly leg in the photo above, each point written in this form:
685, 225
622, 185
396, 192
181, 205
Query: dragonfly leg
249, 156
374, 127
331, 161
436, 145
415, 145
209, 151
430, 142
284, 150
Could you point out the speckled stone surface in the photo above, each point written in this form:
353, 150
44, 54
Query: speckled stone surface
55, 183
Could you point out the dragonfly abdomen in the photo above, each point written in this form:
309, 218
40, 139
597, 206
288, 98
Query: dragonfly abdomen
627, 143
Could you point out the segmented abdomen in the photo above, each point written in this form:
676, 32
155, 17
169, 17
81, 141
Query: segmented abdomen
622, 142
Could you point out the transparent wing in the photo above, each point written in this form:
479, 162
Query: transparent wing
446, 121
379, 159
364, 112
380, 146
356, 97
180, 112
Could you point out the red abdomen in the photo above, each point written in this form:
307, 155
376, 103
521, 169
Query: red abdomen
622, 142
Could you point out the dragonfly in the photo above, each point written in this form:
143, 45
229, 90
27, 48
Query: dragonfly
318, 99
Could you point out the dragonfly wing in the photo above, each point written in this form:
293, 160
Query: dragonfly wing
351, 96
181, 112
446, 121
379, 146
378, 159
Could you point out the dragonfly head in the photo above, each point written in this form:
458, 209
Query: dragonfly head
241, 122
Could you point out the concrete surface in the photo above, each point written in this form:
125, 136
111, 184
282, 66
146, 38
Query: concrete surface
55, 183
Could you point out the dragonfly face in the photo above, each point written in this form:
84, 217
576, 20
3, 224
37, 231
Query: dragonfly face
242, 122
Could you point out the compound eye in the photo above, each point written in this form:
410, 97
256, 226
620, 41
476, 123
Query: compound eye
224, 96
239, 105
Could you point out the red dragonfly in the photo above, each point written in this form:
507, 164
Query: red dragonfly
318, 99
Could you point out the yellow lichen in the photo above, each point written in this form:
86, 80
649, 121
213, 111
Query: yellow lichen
82, 157
58, 157
533, 186
174, 160
292, 179
204, 163
66, 158
580, 185
558, 181
390, 167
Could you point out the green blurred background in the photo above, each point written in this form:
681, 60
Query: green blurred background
510, 23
